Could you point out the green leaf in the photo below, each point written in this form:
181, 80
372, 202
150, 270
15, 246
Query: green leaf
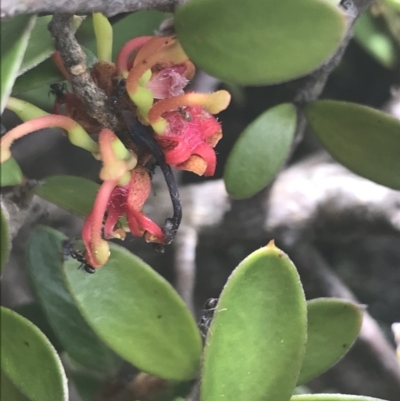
333, 397
364, 140
333, 326
88, 387
35, 82
42, 75
29, 360
370, 35
259, 42
393, 3
74, 194
256, 342
5, 239
35, 314
260, 151
78, 339
41, 43
8, 391
10, 173
40, 46
139, 315
14, 40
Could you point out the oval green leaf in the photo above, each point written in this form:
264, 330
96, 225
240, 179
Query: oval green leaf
10, 173
34, 312
75, 194
260, 151
333, 326
256, 342
15, 35
364, 140
333, 397
139, 315
29, 360
78, 339
5, 239
371, 35
259, 42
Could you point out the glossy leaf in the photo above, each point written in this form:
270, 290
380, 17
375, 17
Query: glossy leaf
260, 151
74, 194
375, 40
275, 42
78, 339
10, 173
139, 315
333, 326
333, 397
256, 342
29, 360
364, 140
5, 239
14, 40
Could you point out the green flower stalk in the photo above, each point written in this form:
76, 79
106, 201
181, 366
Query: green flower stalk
38, 119
104, 37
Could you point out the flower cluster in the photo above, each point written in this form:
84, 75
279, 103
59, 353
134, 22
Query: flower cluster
174, 126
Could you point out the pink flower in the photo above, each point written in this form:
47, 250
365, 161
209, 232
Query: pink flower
189, 140
168, 82
112, 202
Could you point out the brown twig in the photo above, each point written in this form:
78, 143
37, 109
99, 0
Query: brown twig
74, 60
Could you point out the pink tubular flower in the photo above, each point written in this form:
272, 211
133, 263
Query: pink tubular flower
114, 200
183, 123
128, 200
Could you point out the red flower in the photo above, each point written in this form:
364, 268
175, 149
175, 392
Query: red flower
187, 130
128, 200
112, 202
189, 139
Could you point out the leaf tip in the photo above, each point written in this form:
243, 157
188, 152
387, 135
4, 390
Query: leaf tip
271, 244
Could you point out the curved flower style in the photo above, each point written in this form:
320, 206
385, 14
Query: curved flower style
112, 202
181, 132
